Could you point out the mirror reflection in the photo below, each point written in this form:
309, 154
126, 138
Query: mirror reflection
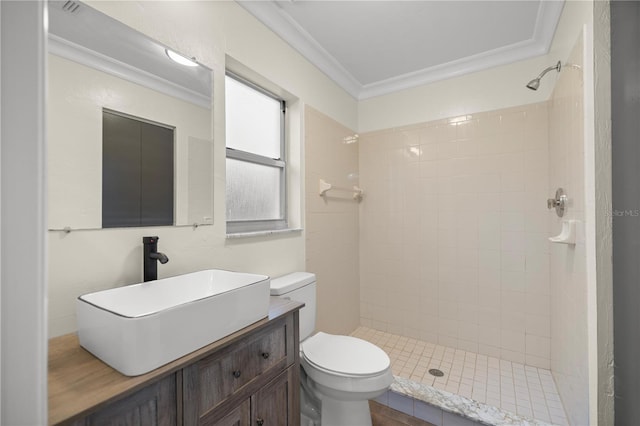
100, 66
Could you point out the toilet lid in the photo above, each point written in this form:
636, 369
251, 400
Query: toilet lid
345, 355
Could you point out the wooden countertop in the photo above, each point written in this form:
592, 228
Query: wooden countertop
79, 383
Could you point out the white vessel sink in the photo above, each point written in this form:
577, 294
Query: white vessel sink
140, 327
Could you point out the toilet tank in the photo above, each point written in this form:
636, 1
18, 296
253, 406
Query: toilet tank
301, 287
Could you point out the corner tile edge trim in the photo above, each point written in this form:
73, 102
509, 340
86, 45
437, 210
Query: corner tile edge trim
451, 403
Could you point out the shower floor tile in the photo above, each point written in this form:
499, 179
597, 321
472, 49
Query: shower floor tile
521, 389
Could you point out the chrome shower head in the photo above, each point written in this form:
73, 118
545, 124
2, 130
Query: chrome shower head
535, 83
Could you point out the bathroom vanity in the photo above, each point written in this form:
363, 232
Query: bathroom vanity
250, 377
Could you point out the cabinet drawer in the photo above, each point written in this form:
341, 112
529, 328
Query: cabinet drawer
223, 374
230, 372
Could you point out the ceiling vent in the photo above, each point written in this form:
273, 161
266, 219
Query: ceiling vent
71, 7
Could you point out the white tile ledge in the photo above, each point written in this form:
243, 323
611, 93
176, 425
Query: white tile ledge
262, 233
457, 404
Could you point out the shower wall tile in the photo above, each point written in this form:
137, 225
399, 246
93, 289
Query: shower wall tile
453, 232
332, 227
567, 264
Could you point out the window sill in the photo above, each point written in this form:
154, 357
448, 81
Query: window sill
262, 233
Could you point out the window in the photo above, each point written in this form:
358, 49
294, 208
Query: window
256, 167
137, 171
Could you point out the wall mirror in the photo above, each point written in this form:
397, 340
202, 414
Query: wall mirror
96, 64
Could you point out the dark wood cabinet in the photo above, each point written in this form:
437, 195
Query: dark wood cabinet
272, 405
253, 379
261, 370
239, 416
153, 405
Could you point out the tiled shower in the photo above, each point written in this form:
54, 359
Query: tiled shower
454, 233
453, 249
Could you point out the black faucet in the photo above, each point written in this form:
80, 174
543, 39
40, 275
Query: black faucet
151, 256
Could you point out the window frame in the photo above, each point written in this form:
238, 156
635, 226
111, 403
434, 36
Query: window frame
258, 225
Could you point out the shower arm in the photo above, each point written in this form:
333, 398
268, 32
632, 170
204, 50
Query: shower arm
557, 66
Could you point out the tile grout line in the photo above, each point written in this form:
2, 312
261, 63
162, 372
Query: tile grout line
411, 359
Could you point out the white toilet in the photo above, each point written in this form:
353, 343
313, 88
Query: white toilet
339, 373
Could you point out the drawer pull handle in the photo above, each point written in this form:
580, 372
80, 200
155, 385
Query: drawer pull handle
265, 355
236, 373
260, 421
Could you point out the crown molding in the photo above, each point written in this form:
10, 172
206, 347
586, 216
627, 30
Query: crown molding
271, 15
547, 22
74, 52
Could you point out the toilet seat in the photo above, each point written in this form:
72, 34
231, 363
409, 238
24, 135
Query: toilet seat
344, 356
345, 368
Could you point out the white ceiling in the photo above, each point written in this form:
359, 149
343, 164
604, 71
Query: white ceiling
371, 48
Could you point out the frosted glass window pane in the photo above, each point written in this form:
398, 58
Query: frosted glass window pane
253, 120
253, 191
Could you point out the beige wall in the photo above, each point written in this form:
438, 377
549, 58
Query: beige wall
568, 263
85, 261
495, 88
331, 223
453, 237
